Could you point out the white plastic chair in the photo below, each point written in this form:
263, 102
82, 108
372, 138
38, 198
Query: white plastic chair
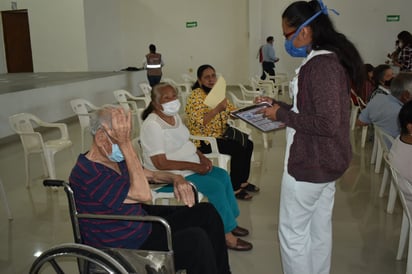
239, 103
242, 125
183, 89
362, 105
5, 201
33, 142
146, 89
83, 109
188, 78
384, 143
379, 147
406, 227
281, 80
249, 94
267, 86
222, 159
355, 108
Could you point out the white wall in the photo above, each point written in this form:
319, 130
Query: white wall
104, 35
363, 22
57, 34
220, 39
80, 35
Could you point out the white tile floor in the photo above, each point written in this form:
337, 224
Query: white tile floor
365, 237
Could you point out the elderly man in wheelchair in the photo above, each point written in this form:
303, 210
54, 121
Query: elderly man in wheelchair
109, 179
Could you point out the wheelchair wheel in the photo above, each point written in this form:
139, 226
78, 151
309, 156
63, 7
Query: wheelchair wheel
75, 258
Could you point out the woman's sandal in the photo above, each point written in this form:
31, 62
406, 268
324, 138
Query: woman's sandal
243, 195
251, 187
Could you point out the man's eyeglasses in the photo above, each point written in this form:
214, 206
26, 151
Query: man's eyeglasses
287, 35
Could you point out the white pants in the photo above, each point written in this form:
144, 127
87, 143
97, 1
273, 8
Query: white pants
305, 226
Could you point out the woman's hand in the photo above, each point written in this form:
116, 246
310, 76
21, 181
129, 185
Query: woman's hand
270, 112
204, 166
221, 106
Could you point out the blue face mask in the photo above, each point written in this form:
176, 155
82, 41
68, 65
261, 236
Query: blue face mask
116, 155
294, 51
303, 51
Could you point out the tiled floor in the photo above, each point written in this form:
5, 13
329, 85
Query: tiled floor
365, 237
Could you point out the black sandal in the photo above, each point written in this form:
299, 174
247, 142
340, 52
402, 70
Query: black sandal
243, 195
251, 187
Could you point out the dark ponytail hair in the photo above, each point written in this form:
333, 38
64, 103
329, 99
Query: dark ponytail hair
405, 37
199, 74
325, 37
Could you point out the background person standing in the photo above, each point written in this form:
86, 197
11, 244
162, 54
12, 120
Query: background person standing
269, 58
153, 63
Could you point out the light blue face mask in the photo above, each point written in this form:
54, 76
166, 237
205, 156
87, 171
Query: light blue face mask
116, 155
303, 51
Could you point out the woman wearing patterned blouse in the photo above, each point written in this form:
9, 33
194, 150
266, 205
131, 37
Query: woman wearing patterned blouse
405, 55
206, 121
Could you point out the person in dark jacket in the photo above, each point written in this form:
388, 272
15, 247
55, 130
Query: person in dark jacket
318, 149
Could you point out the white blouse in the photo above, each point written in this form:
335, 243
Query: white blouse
401, 158
158, 137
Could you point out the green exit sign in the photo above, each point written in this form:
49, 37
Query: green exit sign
393, 18
191, 24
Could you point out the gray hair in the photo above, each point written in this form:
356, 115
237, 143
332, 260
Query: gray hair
402, 82
100, 117
155, 96
156, 90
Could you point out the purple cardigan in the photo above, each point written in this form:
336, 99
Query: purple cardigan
321, 149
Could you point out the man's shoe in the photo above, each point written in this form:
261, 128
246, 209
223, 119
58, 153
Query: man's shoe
240, 245
240, 231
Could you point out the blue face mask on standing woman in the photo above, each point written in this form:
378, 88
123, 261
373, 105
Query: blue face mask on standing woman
294, 51
303, 51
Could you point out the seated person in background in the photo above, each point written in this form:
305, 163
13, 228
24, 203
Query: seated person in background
382, 75
404, 59
109, 179
401, 151
383, 110
205, 121
166, 146
369, 84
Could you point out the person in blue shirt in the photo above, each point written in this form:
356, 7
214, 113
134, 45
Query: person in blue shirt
383, 109
269, 58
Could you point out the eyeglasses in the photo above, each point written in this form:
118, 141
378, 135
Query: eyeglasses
287, 35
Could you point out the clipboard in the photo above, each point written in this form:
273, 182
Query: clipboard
249, 115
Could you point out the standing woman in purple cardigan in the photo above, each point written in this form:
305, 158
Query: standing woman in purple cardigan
318, 149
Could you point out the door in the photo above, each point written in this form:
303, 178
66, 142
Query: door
17, 41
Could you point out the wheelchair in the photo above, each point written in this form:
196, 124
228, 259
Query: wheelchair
86, 259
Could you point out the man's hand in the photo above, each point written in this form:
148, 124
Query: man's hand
183, 191
121, 125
